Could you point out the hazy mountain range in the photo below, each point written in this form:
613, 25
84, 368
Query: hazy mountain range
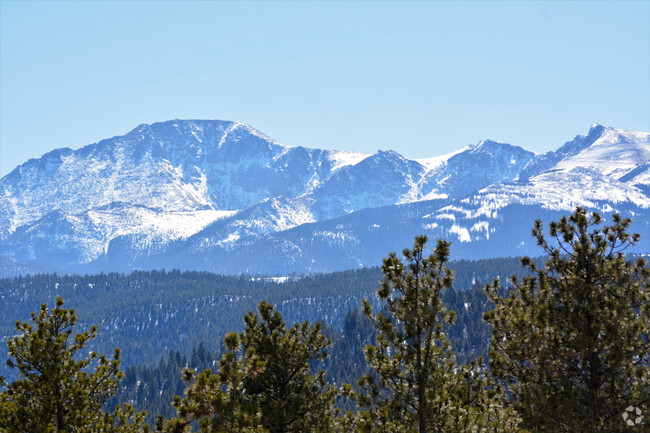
222, 196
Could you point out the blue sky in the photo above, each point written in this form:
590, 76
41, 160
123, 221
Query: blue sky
422, 78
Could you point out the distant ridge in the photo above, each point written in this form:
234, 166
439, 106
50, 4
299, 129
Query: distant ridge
221, 196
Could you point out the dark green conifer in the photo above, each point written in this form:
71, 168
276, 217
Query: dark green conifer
291, 398
571, 341
264, 383
218, 403
416, 385
58, 390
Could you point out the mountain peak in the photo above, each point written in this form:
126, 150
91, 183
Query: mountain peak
604, 150
490, 146
390, 154
600, 127
596, 130
193, 125
486, 143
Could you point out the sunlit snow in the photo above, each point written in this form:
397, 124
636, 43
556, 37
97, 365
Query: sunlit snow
341, 158
163, 183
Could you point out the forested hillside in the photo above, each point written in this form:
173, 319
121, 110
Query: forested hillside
151, 313
152, 386
164, 321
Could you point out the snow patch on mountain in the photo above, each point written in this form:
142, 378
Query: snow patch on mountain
168, 225
226, 133
461, 232
343, 158
437, 161
558, 191
482, 226
229, 240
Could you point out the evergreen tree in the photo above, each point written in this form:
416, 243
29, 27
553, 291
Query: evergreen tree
291, 398
264, 383
56, 390
572, 340
219, 402
416, 385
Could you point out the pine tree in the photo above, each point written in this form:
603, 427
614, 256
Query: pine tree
416, 385
56, 390
572, 341
264, 383
218, 402
291, 398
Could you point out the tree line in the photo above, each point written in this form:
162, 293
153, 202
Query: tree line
569, 352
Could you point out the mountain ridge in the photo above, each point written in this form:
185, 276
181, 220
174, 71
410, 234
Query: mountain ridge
191, 188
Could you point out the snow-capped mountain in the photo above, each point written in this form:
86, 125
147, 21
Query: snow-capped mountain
222, 196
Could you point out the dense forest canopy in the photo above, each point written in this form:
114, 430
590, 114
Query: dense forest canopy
150, 313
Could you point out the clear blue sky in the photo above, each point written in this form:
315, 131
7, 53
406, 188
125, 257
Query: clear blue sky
422, 78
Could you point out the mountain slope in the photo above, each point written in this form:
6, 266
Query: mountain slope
222, 196
175, 166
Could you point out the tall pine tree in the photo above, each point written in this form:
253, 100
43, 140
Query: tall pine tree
265, 382
415, 384
56, 390
292, 398
572, 340
218, 402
